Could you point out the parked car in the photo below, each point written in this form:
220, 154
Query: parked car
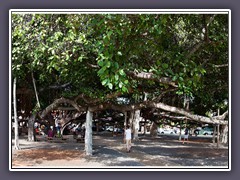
177, 131
165, 131
206, 131
100, 128
196, 132
109, 128
118, 130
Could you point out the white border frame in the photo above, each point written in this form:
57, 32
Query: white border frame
120, 11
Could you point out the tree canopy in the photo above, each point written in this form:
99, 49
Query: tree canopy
90, 60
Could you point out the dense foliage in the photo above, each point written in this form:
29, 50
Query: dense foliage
166, 56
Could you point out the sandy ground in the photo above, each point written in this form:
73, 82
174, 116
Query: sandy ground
109, 152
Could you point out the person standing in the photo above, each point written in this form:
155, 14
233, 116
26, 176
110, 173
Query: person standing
58, 130
50, 133
186, 133
128, 138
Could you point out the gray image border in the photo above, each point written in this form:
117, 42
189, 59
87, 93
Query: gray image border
118, 11
111, 4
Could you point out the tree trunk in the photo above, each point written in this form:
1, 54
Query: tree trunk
136, 120
218, 126
180, 132
35, 90
125, 126
145, 127
16, 136
131, 119
88, 133
214, 134
153, 129
31, 131
224, 135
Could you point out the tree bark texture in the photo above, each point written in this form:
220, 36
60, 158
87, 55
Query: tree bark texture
224, 134
131, 107
56, 103
88, 133
165, 107
16, 135
35, 90
136, 120
31, 131
153, 129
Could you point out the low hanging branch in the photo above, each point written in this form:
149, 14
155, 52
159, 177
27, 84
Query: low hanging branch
131, 107
151, 104
57, 103
164, 115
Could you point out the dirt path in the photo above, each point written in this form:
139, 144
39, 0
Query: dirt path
109, 152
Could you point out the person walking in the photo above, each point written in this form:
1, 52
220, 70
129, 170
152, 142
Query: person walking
128, 138
186, 133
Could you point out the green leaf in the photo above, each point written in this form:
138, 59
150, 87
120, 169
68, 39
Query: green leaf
100, 63
122, 73
105, 81
110, 85
179, 92
101, 71
174, 78
116, 65
119, 53
124, 89
181, 78
116, 77
80, 58
165, 66
120, 85
108, 64
67, 57
203, 71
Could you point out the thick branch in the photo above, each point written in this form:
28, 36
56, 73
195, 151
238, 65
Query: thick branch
90, 101
131, 107
144, 75
223, 116
221, 65
57, 102
56, 86
86, 99
163, 114
206, 37
93, 66
150, 76
157, 99
147, 104
194, 49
